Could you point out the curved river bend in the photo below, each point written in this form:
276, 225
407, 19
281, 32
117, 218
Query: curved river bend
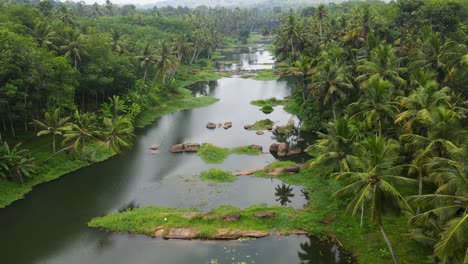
49, 225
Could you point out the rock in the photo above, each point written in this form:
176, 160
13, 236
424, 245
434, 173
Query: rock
183, 233
260, 132
294, 151
211, 125
269, 128
282, 148
154, 147
220, 125
247, 172
299, 232
293, 169
191, 147
230, 217
177, 148
226, 233
258, 147
227, 125
248, 127
274, 147
159, 231
191, 215
267, 214
299, 140
275, 172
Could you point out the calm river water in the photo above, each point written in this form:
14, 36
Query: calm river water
49, 225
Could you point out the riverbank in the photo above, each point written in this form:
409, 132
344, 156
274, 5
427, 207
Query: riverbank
62, 164
323, 217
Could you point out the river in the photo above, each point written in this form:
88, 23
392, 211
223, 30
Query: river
49, 225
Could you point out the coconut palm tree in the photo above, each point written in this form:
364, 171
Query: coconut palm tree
444, 220
15, 163
75, 48
165, 62
383, 63
118, 133
45, 35
300, 71
83, 128
114, 108
52, 125
320, 15
376, 107
336, 147
371, 181
291, 33
118, 41
145, 61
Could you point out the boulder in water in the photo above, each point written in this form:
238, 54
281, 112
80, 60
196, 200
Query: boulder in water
294, 151
177, 148
227, 125
274, 147
191, 147
260, 132
154, 147
211, 125
282, 149
248, 127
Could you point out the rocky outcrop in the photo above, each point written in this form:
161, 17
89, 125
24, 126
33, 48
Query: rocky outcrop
177, 148
293, 169
191, 147
247, 172
268, 214
194, 233
229, 234
183, 233
211, 125
282, 149
230, 217
154, 147
294, 151
227, 125
274, 147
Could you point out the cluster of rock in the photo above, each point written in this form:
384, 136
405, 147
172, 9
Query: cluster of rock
220, 234
212, 125
282, 149
177, 148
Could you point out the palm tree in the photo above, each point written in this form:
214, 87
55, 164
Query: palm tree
330, 83
83, 128
383, 63
165, 62
300, 71
118, 133
444, 222
320, 15
376, 106
372, 181
45, 35
336, 146
145, 61
52, 125
283, 192
118, 41
114, 108
292, 33
15, 163
75, 48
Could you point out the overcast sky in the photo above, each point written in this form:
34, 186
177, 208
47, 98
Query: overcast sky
118, 1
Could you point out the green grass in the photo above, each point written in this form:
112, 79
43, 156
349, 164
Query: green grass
266, 75
214, 154
144, 220
267, 102
262, 124
217, 175
267, 109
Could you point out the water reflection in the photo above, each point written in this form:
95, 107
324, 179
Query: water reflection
284, 192
316, 251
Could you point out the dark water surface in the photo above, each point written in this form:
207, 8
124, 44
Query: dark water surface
49, 225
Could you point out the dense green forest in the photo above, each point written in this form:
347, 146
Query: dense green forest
388, 83
383, 85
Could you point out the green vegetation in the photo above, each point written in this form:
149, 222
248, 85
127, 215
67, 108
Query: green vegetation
213, 154
267, 102
262, 124
217, 175
266, 75
267, 109
144, 220
386, 118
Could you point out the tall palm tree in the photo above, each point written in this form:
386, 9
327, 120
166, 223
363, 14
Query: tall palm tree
383, 63
52, 125
165, 62
371, 182
118, 133
75, 48
45, 35
118, 41
336, 147
291, 33
444, 222
83, 128
320, 15
114, 108
330, 83
376, 107
300, 71
145, 61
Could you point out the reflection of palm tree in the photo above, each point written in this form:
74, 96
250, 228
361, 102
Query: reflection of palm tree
284, 192
129, 206
317, 251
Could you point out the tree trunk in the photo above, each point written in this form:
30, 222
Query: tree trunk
53, 143
389, 245
144, 78
362, 213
